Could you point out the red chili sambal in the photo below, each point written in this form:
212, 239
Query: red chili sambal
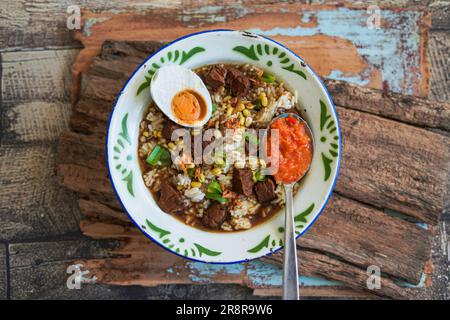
295, 149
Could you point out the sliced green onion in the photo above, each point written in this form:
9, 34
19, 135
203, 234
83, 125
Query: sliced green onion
214, 187
216, 197
214, 108
153, 157
159, 155
165, 159
268, 78
259, 176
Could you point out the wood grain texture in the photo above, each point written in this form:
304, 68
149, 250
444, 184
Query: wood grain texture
153, 266
439, 52
440, 12
35, 109
35, 91
333, 38
37, 75
32, 205
39, 271
393, 165
409, 109
33, 121
27, 24
3, 272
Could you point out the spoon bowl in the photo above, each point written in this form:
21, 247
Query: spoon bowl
308, 132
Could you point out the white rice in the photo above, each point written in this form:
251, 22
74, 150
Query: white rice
194, 194
150, 178
183, 180
245, 207
241, 223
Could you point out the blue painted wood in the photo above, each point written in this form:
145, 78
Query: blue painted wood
392, 48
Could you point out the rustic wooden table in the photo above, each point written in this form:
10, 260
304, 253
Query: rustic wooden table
39, 221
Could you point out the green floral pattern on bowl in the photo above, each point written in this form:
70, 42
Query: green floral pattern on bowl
208, 48
259, 51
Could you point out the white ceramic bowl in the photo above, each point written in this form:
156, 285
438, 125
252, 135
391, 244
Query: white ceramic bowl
192, 51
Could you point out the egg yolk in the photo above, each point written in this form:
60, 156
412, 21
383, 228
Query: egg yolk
188, 106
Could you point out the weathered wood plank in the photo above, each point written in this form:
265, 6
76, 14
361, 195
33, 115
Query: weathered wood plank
37, 75
328, 292
383, 164
341, 271
30, 24
439, 53
27, 24
322, 29
33, 121
147, 264
88, 182
440, 14
32, 205
3, 272
98, 211
39, 271
409, 109
367, 246
35, 90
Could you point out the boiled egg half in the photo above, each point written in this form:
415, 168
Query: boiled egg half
181, 95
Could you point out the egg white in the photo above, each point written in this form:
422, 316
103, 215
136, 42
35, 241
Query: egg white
172, 79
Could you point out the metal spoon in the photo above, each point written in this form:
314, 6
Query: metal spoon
290, 271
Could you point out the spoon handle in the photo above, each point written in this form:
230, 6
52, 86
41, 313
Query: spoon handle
290, 272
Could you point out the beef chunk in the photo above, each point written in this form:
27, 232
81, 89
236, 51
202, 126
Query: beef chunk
239, 86
238, 82
243, 182
214, 216
265, 191
232, 73
169, 128
215, 77
170, 200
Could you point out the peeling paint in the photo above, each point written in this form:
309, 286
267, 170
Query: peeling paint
421, 283
264, 274
89, 23
392, 48
204, 272
211, 14
403, 216
357, 79
257, 272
